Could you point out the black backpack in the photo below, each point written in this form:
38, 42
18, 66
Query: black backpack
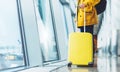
101, 6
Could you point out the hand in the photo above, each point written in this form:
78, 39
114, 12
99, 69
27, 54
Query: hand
82, 6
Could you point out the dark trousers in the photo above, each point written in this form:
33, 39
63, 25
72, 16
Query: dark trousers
88, 29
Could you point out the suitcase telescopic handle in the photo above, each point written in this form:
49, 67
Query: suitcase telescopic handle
84, 20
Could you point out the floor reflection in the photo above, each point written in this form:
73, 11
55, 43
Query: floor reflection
104, 64
84, 69
80, 70
107, 64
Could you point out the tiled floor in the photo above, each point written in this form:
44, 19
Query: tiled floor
103, 64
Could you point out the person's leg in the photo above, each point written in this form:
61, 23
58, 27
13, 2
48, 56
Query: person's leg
88, 29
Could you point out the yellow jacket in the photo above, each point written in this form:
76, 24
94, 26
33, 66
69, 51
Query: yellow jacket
90, 11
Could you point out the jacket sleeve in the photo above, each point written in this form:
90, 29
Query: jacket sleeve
91, 2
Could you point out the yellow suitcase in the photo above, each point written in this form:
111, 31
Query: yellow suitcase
80, 49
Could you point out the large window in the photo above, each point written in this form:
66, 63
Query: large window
46, 31
11, 46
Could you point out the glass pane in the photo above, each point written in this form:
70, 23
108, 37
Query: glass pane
47, 37
11, 54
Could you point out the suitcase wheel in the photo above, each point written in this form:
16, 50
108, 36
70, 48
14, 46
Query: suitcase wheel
69, 64
91, 64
